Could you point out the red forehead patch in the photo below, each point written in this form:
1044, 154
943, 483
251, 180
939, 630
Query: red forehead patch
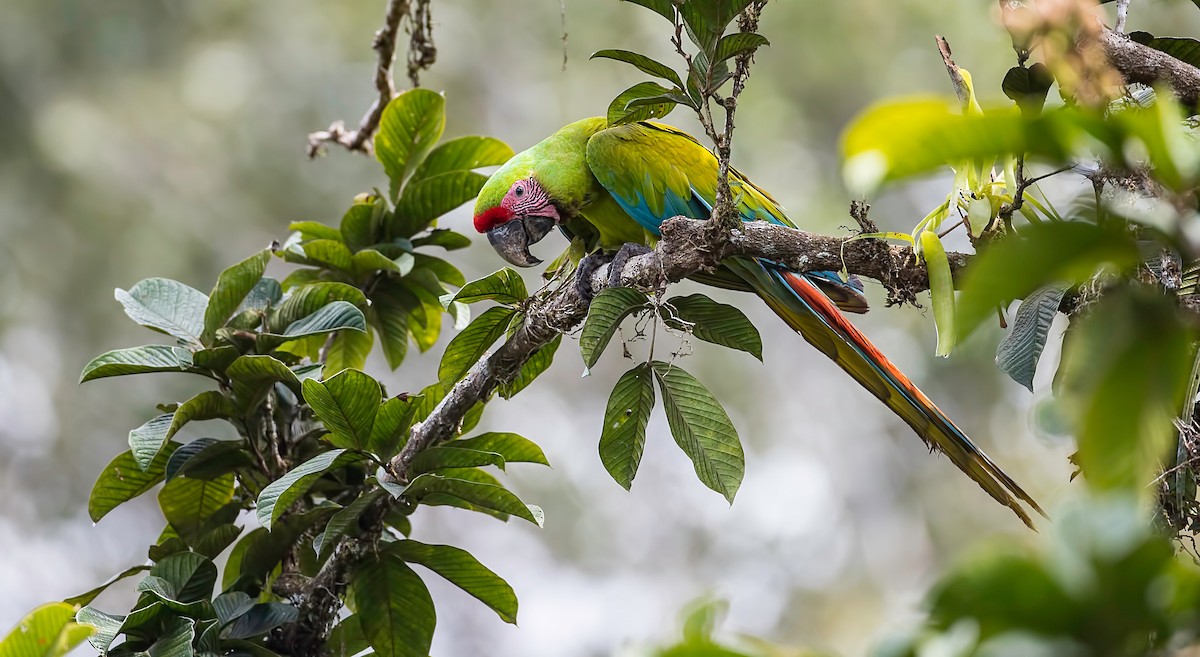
489, 219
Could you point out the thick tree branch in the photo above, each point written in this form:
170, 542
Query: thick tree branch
1143, 64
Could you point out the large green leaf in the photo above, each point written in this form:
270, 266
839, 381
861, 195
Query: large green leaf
732, 45
514, 448
472, 343
105, 627
444, 271
48, 631
1125, 371
348, 350
390, 430
187, 503
232, 287
308, 299
461, 154
87, 597
623, 437
539, 362
279, 495
176, 639
1068, 252
253, 374
167, 306
410, 126
504, 286
643, 63
477, 493
1018, 353
335, 316
360, 225
324, 253
429, 198
347, 404
713, 322
137, 360
394, 607
941, 290
345, 522
641, 102
207, 458
190, 575
445, 238
391, 303
208, 405
1181, 48
259, 620
146, 440
452, 456
604, 317
122, 480
347, 638
702, 429
465, 572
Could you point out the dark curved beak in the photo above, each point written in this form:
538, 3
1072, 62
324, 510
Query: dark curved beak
512, 240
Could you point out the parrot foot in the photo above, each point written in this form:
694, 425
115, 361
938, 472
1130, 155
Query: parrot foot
587, 267
627, 251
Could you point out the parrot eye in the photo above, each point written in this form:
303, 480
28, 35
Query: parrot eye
518, 191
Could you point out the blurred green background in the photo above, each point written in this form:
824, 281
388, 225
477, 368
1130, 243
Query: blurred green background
143, 138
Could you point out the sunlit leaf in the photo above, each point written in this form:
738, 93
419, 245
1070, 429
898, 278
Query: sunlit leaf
620, 110
253, 374
187, 503
643, 63
410, 126
941, 290
514, 448
463, 154
48, 631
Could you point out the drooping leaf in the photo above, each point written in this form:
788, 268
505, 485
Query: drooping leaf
732, 45
167, 306
702, 429
941, 290
504, 286
231, 605
187, 503
122, 480
539, 362
87, 597
208, 405
336, 316
391, 302
427, 199
137, 360
623, 437
348, 350
443, 270
146, 440
232, 287
214, 542
472, 343
465, 572
605, 314
347, 404
266, 293
1069, 252
714, 322
369, 261
275, 499
176, 640
1027, 87
358, 228
1018, 353
48, 631
484, 495
410, 126
643, 63
392, 422
394, 607
514, 448
622, 109
105, 626
706, 21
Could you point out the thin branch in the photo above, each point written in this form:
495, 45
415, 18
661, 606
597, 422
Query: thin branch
1122, 14
385, 46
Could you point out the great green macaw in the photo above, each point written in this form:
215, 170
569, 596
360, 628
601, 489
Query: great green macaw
619, 184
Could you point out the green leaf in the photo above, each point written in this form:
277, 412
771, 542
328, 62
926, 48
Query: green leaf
369, 261
48, 631
348, 350
137, 360
620, 110
394, 607
208, 405
335, 316
504, 286
444, 271
207, 458
266, 293
941, 290
214, 542
347, 404
256, 555
392, 422
166, 306
702, 429
176, 640
345, 522
328, 254
643, 63
713, 322
514, 448
308, 299
1027, 87
465, 572
187, 503
190, 575
106, 627
538, 362
732, 45
361, 222
146, 440
122, 480
390, 304
86, 598
1125, 372
315, 230
605, 314
623, 437
706, 21
445, 238
1018, 353
1068, 252
484, 495
347, 638
472, 343
279, 495
409, 127
663, 8
253, 375
463, 154
261, 619
232, 287
452, 456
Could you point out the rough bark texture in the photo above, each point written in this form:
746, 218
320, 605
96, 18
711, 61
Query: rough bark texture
1143, 64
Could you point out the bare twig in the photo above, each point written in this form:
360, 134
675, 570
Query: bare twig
956, 77
1122, 14
422, 53
725, 216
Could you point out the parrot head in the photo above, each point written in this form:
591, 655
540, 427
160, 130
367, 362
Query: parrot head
515, 211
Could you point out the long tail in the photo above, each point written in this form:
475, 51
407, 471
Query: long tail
810, 312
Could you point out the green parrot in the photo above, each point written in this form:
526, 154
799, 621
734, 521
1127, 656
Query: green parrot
618, 184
